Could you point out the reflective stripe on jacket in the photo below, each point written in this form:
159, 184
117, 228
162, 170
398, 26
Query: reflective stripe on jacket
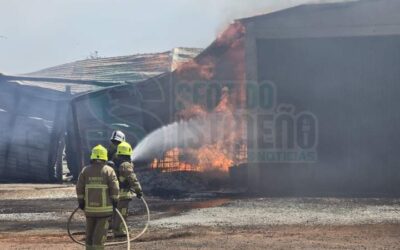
98, 185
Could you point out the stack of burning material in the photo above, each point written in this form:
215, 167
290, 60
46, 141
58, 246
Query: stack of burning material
218, 74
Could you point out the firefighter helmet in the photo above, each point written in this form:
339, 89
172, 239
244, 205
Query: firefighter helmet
124, 148
117, 135
99, 153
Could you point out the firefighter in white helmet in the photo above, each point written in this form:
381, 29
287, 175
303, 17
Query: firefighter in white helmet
97, 190
116, 138
129, 186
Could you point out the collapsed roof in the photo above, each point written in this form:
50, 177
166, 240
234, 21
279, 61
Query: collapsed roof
113, 70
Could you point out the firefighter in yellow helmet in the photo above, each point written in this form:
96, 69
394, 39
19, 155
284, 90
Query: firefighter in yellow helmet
129, 186
97, 190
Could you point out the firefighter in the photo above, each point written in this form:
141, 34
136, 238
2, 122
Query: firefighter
116, 138
129, 186
97, 190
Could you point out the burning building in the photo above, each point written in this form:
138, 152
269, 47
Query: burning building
140, 108
307, 97
34, 109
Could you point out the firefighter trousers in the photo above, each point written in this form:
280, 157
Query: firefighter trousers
118, 226
96, 232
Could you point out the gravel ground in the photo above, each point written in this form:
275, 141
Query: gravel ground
34, 217
36, 191
290, 211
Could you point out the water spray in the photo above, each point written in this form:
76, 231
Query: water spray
183, 134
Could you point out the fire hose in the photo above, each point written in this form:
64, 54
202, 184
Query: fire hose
117, 243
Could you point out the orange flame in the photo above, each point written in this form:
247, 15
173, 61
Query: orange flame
224, 59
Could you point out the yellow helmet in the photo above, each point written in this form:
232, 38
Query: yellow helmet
124, 148
99, 153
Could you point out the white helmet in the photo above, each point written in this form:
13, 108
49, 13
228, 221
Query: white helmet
117, 135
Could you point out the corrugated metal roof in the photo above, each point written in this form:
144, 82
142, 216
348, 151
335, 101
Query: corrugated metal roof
335, 13
132, 68
302, 6
55, 84
60, 86
182, 55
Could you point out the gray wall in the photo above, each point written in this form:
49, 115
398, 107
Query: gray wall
352, 86
32, 125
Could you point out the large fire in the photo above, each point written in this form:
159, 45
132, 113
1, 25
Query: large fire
223, 64
208, 157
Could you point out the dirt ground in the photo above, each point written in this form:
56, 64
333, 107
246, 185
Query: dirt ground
34, 217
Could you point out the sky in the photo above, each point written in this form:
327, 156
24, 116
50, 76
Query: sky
36, 34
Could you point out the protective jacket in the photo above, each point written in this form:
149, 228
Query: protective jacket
97, 185
129, 184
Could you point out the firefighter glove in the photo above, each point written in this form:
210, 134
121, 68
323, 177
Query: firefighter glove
114, 204
81, 203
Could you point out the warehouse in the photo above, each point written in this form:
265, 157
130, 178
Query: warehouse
333, 70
